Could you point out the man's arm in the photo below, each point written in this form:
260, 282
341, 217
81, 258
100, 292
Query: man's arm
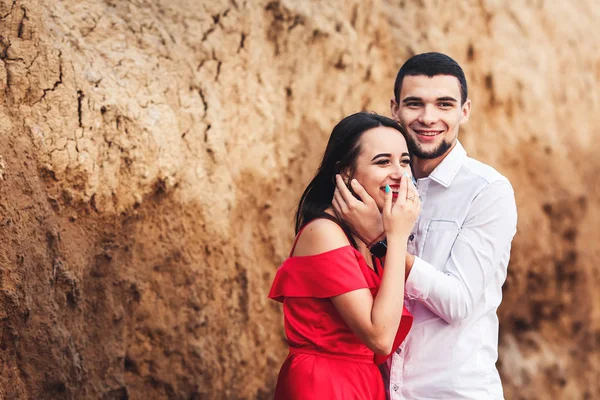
484, 238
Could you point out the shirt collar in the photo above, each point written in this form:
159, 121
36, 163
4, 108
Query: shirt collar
446, 171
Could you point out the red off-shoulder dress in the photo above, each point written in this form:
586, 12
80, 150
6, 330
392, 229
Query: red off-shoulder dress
327, 360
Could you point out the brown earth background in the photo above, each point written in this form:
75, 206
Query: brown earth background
152, 154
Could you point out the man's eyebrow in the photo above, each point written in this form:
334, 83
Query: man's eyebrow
411, 98
447, 98
443, 98
381, 155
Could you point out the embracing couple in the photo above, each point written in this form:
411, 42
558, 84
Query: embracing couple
402, 245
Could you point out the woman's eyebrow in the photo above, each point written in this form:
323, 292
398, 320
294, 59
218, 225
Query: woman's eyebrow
388, 155
381, 155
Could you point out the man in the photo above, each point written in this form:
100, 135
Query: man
461, 243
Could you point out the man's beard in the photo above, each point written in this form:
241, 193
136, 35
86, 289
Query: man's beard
416, 151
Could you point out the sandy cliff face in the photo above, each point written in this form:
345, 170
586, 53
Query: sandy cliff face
153, 152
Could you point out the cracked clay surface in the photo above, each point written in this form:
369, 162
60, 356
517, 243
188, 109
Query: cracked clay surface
152, 154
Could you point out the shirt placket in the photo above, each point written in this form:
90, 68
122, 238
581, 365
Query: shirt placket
397, 368
412, 247
397, 374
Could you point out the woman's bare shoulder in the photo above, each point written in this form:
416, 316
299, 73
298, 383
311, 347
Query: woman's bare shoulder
320, 236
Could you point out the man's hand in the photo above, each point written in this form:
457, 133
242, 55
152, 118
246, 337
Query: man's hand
362, 215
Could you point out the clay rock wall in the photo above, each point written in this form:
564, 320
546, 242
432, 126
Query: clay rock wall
153, 152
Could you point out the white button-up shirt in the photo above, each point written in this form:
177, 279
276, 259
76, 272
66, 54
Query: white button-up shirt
462, 247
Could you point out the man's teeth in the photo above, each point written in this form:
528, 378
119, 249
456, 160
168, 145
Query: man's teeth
427, 133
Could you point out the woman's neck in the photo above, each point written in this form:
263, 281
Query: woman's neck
361, 246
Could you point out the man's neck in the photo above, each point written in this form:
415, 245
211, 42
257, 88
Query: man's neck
423, 167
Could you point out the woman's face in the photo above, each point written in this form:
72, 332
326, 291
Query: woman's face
382, 161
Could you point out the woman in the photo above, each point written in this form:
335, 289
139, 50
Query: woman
343, 312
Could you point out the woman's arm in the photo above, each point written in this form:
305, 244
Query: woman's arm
374, 321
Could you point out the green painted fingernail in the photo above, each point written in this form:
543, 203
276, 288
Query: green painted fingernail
387, 188
406, 175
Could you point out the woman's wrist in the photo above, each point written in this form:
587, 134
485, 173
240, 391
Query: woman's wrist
378, 239
379, 247
397, 237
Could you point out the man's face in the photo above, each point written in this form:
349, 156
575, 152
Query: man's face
431, 112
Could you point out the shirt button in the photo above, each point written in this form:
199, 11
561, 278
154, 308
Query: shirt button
395, 387
411, 237
399, 350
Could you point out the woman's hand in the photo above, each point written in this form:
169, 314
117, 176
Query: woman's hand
375, 320
362, 215
399, 217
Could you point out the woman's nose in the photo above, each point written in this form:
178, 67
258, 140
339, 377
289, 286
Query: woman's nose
397, 172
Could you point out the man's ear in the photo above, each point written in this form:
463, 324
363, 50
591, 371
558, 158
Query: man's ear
465, 111
394, 108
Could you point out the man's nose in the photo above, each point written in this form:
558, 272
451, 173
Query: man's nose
429, 115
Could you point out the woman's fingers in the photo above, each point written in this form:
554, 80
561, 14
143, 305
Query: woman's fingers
402, 191
361, 192
405, 186
339, 205
412, 192
387, 203
345, 193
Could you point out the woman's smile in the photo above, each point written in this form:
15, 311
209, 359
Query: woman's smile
395, 188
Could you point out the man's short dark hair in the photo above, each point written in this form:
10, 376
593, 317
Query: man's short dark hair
431, 64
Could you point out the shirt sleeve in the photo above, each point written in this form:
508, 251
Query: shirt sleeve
481, 247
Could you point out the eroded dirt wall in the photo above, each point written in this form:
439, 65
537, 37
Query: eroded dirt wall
153, 152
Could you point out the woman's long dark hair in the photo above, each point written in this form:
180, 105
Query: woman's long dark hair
341, 153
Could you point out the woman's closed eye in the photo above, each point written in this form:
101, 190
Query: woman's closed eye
385, 162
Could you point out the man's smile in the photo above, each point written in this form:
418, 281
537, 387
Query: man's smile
427, 134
